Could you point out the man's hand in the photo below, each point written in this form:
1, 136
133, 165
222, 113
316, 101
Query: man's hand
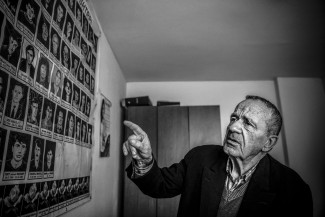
138, 144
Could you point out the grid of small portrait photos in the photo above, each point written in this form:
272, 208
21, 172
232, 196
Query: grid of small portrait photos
48, 53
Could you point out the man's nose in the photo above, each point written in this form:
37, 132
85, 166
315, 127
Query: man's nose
235, 126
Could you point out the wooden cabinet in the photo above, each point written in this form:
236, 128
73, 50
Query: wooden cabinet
173, 131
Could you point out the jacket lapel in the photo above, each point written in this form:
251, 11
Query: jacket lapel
258, 195
213, 180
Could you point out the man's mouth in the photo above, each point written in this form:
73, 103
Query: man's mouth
232, 141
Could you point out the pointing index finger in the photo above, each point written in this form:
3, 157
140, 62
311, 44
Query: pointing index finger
135, 128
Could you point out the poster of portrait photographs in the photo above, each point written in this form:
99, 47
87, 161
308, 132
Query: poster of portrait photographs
48, 52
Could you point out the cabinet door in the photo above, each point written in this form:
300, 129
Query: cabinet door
173, 140
204, 125
135, 202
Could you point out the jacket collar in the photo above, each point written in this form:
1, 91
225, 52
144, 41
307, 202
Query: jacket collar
213, 181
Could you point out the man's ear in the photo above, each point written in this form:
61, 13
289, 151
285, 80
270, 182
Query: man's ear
269, 144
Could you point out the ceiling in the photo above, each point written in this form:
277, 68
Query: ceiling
214, 40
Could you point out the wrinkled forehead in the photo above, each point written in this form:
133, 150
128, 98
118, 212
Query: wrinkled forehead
253, 109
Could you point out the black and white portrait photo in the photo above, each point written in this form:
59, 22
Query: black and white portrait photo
92, 84
76, 37
49, 156
59, 14
84, 132
56, 82
27, 16
30, 199
65, 55
35, 102
74, 64
76, 97
72, 4
84, 48
80, 76
60, 115
83, 99
70, 125
48, 6
90, 134
11, 44
43, 71
87, 79
89, 56
78, 14
17, 152
36, 162
47, 114
84, 25
67, 90
55, 44
12, 200
28, 62
43, 32
78, 129
88, 106
93, 63
68, 28
17, 100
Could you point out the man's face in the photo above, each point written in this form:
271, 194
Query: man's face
55, 43
83, 99
18, 151
78, 128
30, 12
34, 110
37, 152
43, 72
48, 112
247, 131
76, 96
14, 193
87, 78
75, 63
68, 89
71, 122
60, 118
45, 32
17, 94
32, 190
49, 157
30, 56
13, 44
69, 29
81, 73
58, 78
54, 185
65, 53
59, 14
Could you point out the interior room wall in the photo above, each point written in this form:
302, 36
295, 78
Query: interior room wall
226, 94
105, 173
303, 105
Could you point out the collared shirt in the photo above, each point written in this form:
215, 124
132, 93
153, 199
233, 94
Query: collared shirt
232, 183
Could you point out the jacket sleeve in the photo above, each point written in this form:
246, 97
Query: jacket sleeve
163, 182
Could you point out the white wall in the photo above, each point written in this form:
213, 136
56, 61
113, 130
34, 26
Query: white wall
105, 173
225, 94
303, 106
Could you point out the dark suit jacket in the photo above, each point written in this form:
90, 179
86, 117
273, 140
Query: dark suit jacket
23, 67
274, 189
20, 114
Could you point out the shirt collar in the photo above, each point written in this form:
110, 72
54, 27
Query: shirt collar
244, 177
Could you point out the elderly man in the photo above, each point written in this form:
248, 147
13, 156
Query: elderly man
238, 179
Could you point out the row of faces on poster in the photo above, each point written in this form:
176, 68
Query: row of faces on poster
33, 62
24, 108
42, 197
65, 15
